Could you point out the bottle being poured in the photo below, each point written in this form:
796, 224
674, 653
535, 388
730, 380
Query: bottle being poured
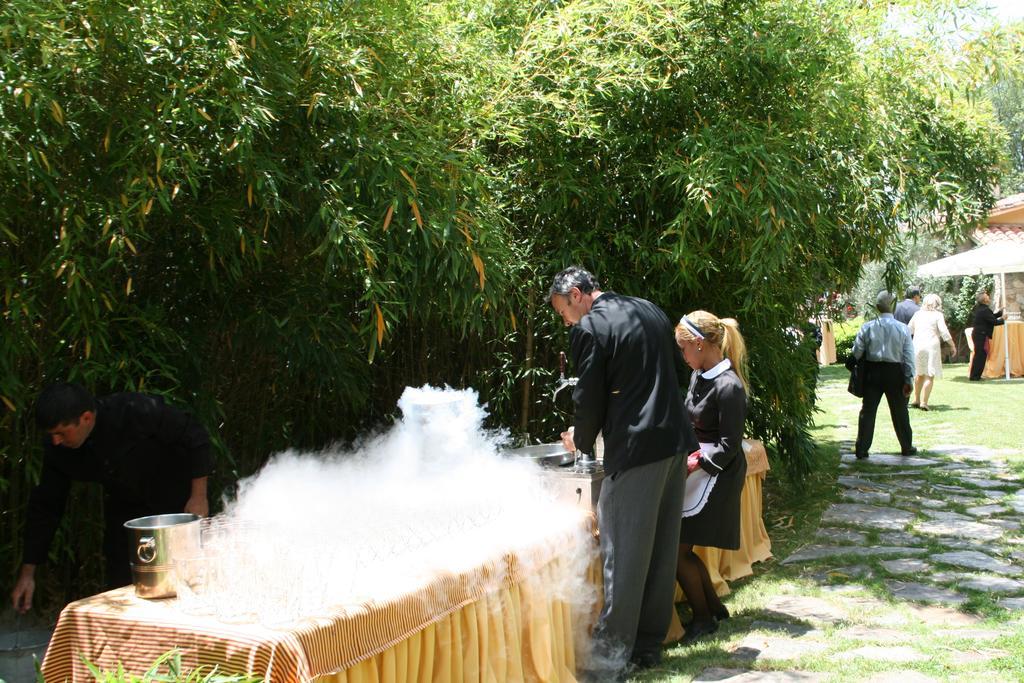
582, 462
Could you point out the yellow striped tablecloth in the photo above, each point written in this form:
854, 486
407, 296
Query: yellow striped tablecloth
505, 620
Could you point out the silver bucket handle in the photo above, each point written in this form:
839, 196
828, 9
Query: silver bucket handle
146, 552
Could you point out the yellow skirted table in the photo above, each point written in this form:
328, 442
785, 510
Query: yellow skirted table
995, 366
827, 350
510, 619
755, 545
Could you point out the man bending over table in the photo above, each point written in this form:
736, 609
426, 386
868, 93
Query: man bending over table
149, 457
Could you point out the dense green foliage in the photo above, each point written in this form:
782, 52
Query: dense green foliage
845, 333
281, 212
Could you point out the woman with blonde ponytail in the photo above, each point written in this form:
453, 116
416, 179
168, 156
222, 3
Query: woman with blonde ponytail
717, 406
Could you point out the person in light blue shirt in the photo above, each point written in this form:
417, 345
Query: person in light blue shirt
888, 350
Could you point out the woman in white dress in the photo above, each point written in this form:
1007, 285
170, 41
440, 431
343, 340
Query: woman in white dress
929, 330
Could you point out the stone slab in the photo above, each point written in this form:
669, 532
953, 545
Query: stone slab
992, 584
789, 628
899, 538
966, 500
871, 516
900, 654
841, 535
924, 593
1015, 604
906, 566
980, 655
947, 516
935, 615
970, 634
888, 635
908, 676
1016, 501
742, 676
985, 510
852, 482
889, 460
972, 530
966, 544
869, 497
806, 608
969, 453
950, 488
987, 483
1004, 524
929, 503
756, 647
816, 552
977, 560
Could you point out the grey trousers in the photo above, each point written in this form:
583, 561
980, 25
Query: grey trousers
638, 515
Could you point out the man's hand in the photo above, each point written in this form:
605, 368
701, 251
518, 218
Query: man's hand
198, 506
567, 442
197, 502
907, 388
692, 461
21, 596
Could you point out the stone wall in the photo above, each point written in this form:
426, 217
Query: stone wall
1014, 295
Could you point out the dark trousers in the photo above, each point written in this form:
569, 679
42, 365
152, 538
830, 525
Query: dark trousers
638, 513
883, 379
979, 358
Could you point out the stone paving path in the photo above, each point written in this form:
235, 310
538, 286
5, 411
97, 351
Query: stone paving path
927, 533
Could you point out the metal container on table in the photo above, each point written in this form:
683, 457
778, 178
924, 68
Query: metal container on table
159, 544
20, 653
572, 480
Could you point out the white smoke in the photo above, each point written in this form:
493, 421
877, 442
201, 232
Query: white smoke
314, 532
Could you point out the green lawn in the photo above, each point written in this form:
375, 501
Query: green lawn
990, 414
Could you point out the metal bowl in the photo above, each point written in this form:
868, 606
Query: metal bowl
545, 454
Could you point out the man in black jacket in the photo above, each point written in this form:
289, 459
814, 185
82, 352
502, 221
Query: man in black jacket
149, 458
629, 374
984, 320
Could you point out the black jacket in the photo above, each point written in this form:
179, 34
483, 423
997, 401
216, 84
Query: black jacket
630, 372
143, 452
984, 320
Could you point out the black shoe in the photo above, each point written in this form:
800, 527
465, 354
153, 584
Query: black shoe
645, 660
862, 456
910, 451
722, 615
697, 630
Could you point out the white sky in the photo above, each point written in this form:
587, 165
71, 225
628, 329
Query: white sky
1006, 10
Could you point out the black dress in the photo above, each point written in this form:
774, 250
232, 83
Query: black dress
718, 408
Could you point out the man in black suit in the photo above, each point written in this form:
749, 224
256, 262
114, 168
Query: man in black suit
910, 305
629, 371
984, 321
149, 457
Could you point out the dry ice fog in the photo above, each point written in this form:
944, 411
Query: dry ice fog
315, 532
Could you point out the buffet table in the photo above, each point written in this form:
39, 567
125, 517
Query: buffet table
827, 350
508, 619
995, 366
504, 620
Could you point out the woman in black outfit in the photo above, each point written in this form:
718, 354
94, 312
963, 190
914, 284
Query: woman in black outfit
984, 320
717, 406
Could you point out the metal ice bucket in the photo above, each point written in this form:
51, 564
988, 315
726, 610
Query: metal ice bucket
159, 543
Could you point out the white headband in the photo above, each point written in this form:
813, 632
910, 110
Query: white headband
693, 329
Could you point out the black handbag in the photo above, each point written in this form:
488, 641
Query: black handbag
857, 370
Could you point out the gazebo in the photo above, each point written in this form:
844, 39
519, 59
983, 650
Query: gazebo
990, 259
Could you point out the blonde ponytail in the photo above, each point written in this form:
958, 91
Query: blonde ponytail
735, 349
